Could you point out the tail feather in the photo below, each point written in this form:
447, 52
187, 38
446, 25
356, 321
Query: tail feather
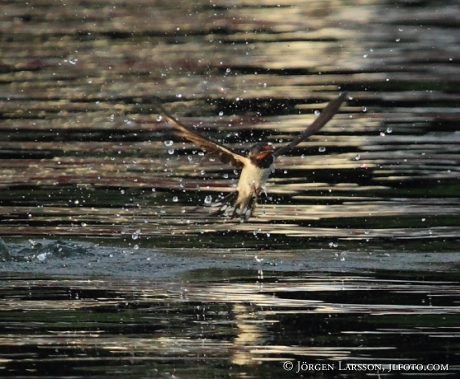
243, 209
226, 203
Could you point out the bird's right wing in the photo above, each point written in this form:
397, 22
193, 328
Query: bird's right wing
327, 113
224, 154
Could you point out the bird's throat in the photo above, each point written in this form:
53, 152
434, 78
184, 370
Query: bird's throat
263, 160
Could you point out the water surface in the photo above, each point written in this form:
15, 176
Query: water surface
111, 259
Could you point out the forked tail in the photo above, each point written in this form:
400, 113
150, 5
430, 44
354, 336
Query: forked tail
230, 206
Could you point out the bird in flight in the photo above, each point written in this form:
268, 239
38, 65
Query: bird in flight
256, 166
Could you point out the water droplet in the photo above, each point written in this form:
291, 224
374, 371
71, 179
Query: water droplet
73, 61
364, 109
322, 149
382, 134
175, 199
365, 56
179, 95
389, 130
317, 113
357, 157
208, 200
41, 257
398, 39
228, 70
159, 117
221, 113
171, 151
135, 235
168, 143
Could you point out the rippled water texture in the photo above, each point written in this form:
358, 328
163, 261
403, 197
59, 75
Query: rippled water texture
112, 262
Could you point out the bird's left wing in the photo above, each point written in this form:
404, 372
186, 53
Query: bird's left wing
327, 113
224, 154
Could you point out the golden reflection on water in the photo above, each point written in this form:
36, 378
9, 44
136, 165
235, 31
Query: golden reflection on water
231, 321
83, 155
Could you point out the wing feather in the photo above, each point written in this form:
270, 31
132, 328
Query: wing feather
224, 154
327, 113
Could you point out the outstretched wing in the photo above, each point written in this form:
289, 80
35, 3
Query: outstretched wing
224, 154
327, 113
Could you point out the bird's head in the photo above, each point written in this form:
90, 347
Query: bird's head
262, 152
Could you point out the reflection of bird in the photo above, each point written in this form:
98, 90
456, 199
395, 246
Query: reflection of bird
257, 166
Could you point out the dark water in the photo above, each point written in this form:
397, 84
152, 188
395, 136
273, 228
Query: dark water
79, 309
111, 260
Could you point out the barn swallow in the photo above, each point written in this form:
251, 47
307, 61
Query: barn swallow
256, 166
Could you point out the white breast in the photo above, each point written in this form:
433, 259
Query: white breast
253, 179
